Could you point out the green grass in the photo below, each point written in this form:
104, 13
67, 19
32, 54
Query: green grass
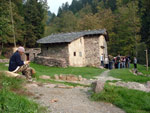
85, 72
127, 76
2, 57
143, 69
10, 83
131, 101
3, 67
10, 102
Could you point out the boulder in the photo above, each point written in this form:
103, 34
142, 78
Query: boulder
80, 78
148, 84
98, 86
56, 77
62, 77
44, 77
72, 78
9, 74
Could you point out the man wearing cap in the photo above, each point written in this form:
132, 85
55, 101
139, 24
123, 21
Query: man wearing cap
17, 65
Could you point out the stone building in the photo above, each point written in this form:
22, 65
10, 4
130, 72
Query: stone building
73, 49
31, 53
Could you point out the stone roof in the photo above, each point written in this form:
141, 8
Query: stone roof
69, 37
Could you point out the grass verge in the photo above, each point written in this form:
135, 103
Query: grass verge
143, 69
131, 101
11, 101
3, 67
127, 76
85, 72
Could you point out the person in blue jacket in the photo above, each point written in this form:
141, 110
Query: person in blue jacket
17, 65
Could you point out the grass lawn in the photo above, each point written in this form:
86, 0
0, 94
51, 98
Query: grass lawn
2, 57
142, 69
86, 72
11, 101
3, 67
126, 75
131, 101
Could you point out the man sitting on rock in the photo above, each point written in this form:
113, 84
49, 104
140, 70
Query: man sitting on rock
17, 65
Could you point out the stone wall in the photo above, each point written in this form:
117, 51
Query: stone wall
49, 61
76, 53
4, 60
57, 51
92, 57
32, 53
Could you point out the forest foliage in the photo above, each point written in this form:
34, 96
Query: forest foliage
127, 22
29, 18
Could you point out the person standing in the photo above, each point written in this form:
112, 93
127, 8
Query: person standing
16, 65
123, 62
129, 61
110, 58
102, 60
118, 61
135, 63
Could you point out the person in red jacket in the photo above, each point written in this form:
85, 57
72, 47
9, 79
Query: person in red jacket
17, 65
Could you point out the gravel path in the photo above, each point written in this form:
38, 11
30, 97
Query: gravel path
104, 77
73, 100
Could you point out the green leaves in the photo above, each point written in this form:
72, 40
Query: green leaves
34, 15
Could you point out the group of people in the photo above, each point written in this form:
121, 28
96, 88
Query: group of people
117, 62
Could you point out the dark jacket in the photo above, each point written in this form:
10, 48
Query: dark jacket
15, 61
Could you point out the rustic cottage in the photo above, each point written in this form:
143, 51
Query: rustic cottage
73, 49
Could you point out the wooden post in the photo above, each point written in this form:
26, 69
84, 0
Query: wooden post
147, 59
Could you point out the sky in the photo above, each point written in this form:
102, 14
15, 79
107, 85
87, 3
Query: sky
55, 4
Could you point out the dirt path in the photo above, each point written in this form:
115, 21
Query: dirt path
74, 100
104, 76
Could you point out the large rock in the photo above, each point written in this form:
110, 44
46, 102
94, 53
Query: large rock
62, 77
98, 86
4, 60
56, 77
11, 74
44, 77
72, 78
80, 78
48, 61
148, 84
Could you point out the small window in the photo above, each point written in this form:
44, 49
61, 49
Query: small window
80, 54
74, 53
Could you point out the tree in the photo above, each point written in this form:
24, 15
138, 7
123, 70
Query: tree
127, 28
145, 16
5, 26
34, 16
88, 22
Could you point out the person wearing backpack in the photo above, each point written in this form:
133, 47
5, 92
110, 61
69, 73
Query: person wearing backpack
118, 61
